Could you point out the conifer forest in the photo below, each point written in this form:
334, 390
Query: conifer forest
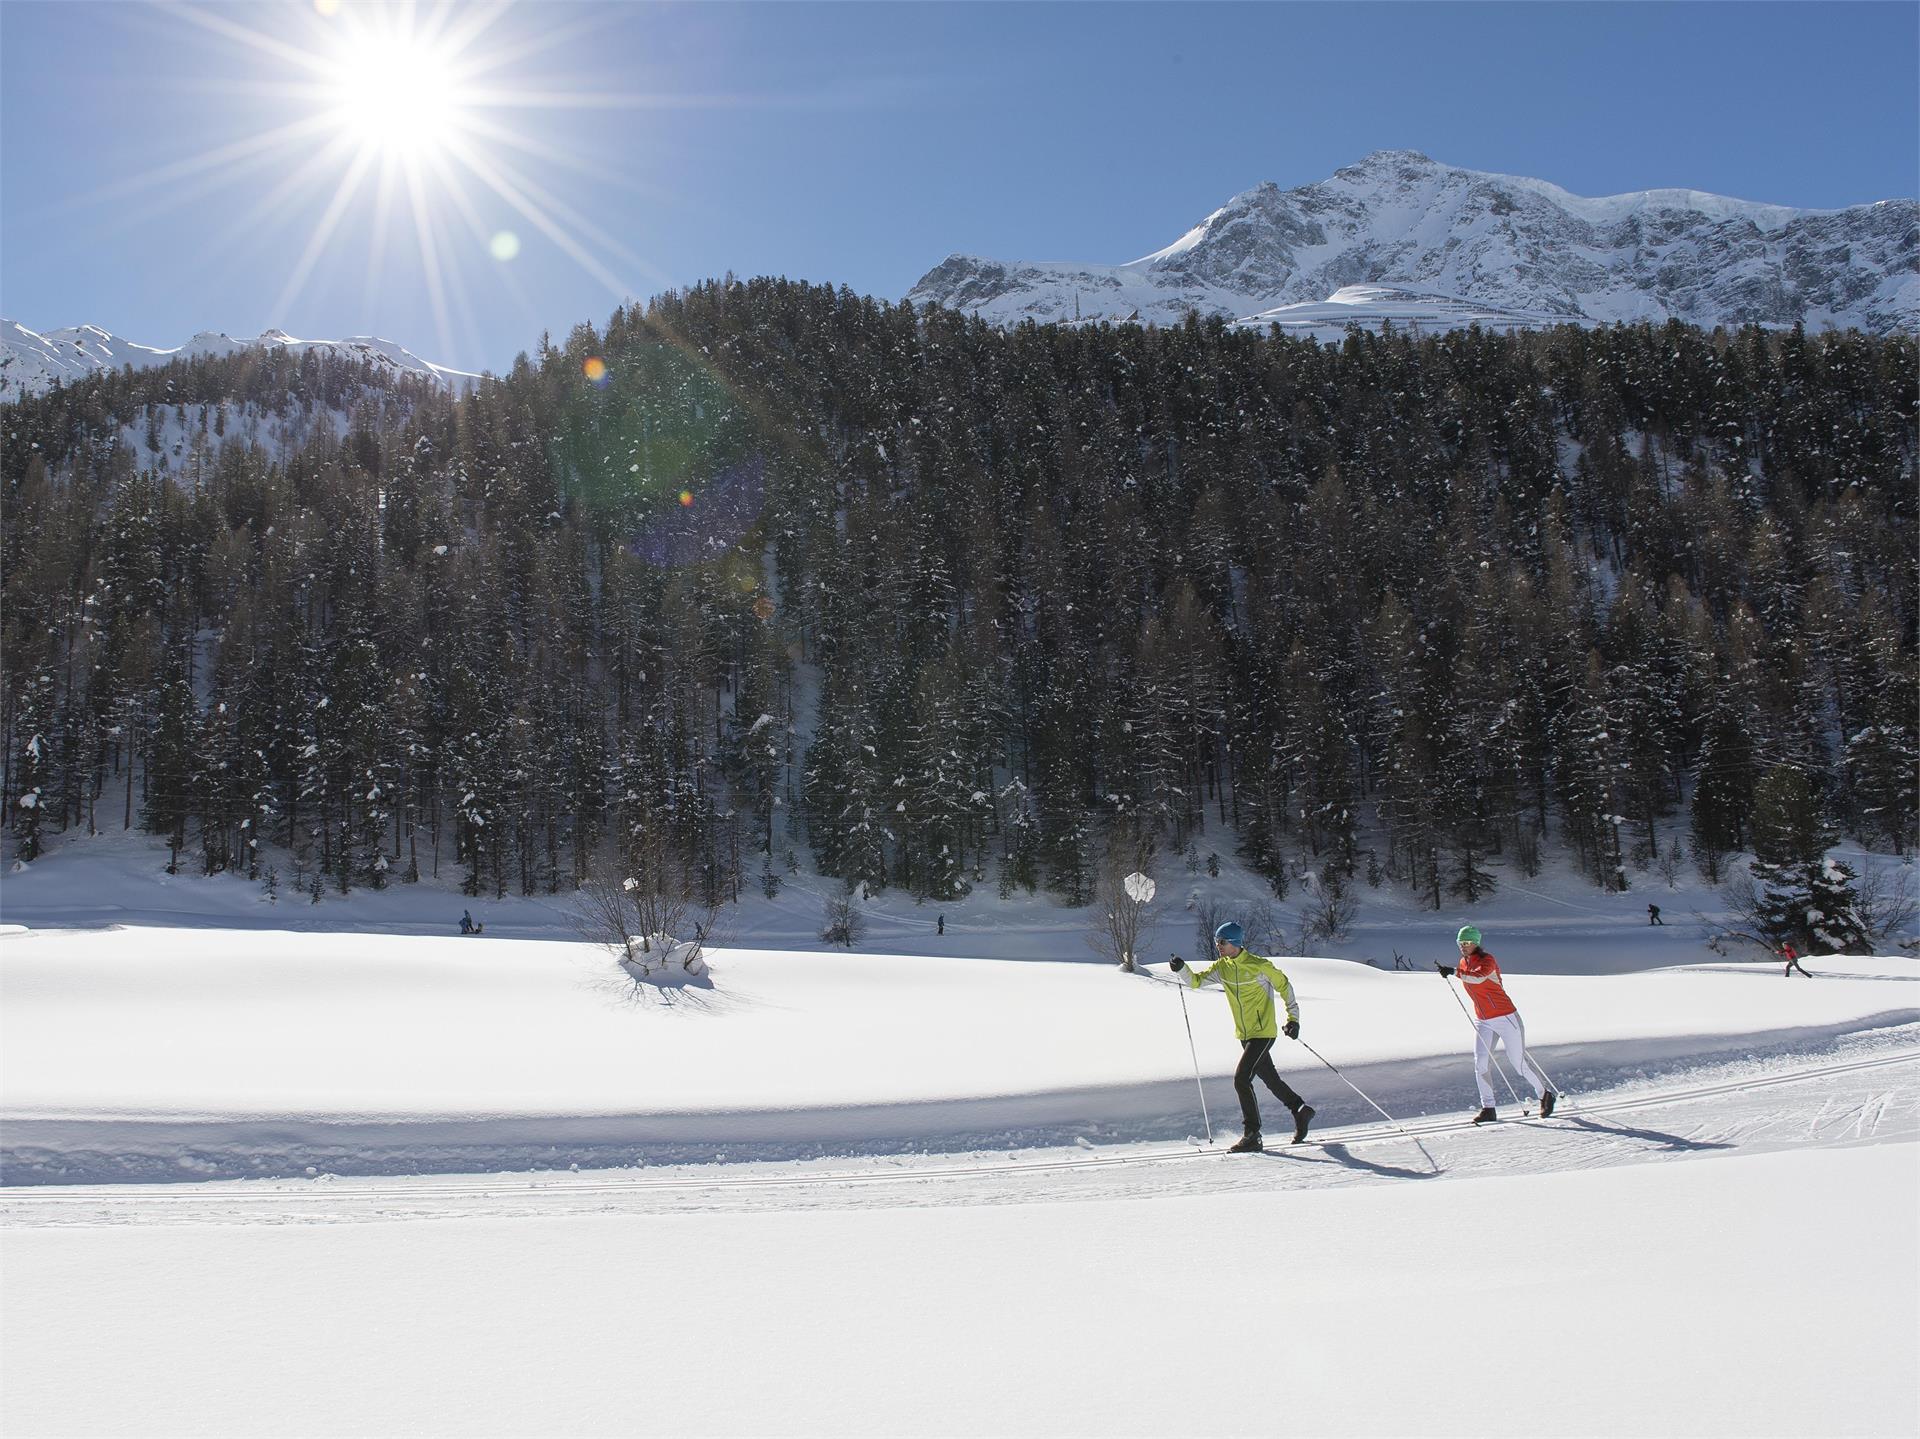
767, 576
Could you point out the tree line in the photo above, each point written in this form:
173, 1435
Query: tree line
766, 573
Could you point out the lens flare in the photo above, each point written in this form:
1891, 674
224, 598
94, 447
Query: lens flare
670, 459
504, 245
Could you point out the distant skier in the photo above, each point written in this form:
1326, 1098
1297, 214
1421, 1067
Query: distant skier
1250, 983
1496, 1020
1653, 915
940, 924
1792, 957
466, 922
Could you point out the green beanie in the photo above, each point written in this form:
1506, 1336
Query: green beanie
1468, 935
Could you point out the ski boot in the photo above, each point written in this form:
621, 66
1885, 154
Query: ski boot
1485, 1116
1302, 1117
1250, 1143
1547, 1101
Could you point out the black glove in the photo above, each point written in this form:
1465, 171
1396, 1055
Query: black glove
1445, 969
1178, 963
1291, 1029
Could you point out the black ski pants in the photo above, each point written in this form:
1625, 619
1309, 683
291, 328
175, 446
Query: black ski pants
1256, 1058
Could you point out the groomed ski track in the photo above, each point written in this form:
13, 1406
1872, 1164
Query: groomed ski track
1809, 1105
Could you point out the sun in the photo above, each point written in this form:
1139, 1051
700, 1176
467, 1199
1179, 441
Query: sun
416, 122
395, 92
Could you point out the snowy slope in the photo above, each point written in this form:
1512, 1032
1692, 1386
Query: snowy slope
32, 362
1374, 307
1677, 1226
427, 1185
141, 1053
1402, 220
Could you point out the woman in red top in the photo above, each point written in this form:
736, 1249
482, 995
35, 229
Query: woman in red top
1495, 1021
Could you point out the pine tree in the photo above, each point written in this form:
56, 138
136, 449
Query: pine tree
1020, 856
171, 754
1833, 917
1790, 838
33, 708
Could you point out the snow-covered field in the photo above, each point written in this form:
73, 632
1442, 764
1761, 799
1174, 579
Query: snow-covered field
330, 1169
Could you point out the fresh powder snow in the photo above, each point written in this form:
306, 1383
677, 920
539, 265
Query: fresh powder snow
336, 1169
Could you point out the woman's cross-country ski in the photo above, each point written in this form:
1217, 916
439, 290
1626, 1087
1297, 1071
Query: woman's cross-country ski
1250, 983
1496, 1020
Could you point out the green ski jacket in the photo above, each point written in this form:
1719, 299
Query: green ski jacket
1250, 983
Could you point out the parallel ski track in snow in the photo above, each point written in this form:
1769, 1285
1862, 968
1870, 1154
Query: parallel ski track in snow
551, 1185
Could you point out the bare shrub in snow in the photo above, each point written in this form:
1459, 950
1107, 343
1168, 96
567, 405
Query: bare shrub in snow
1265, 933
1327, 911
841, 921
1672, 860
1883, 898
1118, 907
1209, 913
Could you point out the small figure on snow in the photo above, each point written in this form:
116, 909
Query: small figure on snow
1496, 1020
1653, 915
466, 922
1251, 983
1792, 957
940, 924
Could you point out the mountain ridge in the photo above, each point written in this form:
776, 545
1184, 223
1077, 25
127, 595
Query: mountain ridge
32, 362
1402, 220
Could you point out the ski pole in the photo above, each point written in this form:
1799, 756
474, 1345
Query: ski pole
1363, 1094
1538, 1066
1505, 1078
1204, 1119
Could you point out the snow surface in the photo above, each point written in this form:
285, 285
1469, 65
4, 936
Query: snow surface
1766, 1294
1373, 307
334, 1169
127, 1048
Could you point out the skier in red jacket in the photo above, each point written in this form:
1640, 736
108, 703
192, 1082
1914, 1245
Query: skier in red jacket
1495, 1021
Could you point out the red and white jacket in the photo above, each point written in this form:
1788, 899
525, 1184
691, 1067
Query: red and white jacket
1481, 975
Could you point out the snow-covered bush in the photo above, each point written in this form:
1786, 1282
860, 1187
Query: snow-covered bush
660, 959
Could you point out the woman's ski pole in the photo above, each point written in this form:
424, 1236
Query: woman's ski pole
1537, 1064
1505, 1078
1204, 1119
1363, 1094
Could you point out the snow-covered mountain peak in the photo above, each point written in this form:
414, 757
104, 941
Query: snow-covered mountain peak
31, 362
1386, 162
1484, 243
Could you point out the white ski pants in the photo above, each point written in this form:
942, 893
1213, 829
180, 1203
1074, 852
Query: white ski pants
1506, 1030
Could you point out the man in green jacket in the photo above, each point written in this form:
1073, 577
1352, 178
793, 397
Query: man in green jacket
1251, 983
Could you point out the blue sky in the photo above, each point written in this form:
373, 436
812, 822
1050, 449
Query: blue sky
855, 144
